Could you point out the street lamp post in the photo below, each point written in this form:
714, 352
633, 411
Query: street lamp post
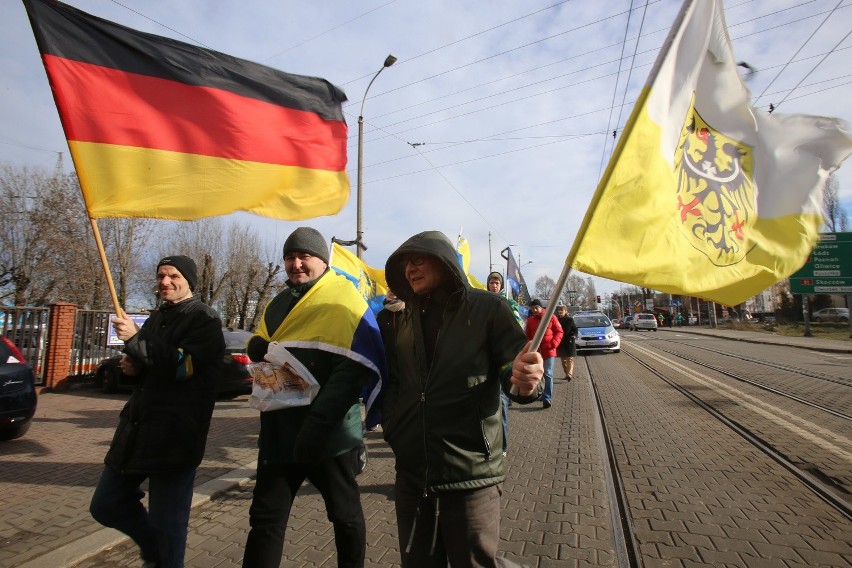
359, 243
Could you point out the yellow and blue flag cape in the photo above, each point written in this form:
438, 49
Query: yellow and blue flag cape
370, 282
332, 316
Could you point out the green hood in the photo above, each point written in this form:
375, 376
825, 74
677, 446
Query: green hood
434, 243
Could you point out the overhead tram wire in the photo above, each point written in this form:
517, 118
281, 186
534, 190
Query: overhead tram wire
629, 75
812, 70
506, 52
328, 31
437, 167
565, 138
615, 90
624, 93
764, 30
479, 86
502, 53
450, 145
150, 19
438, 171
584, 54
801, 47
479, 33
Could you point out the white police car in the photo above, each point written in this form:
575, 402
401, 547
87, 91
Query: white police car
596, 333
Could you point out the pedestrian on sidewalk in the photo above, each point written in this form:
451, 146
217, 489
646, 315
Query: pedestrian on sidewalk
455, 349
495, 284
567, 349
549, 342
174, 361
326, 324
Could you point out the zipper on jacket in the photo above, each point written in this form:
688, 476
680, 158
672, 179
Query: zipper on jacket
423, 397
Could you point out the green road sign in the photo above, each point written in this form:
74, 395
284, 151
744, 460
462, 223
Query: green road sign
828, 269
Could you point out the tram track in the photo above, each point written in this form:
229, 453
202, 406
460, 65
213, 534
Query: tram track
626, 545
818, 484
763, 362
769, 388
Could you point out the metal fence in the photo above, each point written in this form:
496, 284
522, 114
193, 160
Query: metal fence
27, 328
91, 333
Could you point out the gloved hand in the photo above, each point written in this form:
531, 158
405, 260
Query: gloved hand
257, 348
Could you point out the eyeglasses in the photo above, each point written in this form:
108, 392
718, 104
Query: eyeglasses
415, 259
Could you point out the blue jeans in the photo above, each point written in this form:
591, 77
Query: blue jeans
159, 531
549, 362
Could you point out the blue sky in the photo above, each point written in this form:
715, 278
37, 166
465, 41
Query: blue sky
496, 119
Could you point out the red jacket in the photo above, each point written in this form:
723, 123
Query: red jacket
552, 336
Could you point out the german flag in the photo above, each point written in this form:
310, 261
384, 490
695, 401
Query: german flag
160, 128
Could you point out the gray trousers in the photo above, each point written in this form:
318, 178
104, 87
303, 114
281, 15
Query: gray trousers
457, 528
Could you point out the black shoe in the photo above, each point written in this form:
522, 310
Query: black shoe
546, 404
568, 377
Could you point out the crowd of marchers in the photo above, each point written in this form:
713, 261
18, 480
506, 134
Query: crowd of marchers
436, 370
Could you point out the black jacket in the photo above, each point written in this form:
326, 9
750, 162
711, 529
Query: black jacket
163, 427
331, 424
568, 346
452, 353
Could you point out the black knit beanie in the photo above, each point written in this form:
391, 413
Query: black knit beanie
309, 240
185, 265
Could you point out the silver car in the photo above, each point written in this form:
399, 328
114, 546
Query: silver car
644, 321
832, 314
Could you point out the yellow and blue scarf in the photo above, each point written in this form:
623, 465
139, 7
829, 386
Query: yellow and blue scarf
334, 317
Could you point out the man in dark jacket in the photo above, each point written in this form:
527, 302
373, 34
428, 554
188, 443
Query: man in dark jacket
455, 349
567, 349
326, 324
175, 359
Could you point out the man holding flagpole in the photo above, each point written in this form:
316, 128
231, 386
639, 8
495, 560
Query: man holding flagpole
326, 324
455, 349
174, 360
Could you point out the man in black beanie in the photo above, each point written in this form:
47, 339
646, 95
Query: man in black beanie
174, 359
319, 442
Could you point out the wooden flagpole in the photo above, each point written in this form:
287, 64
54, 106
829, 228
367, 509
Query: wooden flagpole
105, 264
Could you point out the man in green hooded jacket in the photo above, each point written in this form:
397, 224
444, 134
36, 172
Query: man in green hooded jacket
455, 349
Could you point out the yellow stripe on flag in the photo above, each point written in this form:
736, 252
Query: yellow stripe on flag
123, 181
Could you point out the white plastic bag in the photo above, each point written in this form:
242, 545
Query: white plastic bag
281, 381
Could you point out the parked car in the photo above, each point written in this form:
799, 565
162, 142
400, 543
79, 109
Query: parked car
647, 322
832, 314
235, 377
595, 332
17, 392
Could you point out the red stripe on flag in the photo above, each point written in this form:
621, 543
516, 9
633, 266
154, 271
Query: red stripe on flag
109, 106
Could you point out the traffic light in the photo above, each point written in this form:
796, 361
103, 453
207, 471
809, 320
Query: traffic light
598, 299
